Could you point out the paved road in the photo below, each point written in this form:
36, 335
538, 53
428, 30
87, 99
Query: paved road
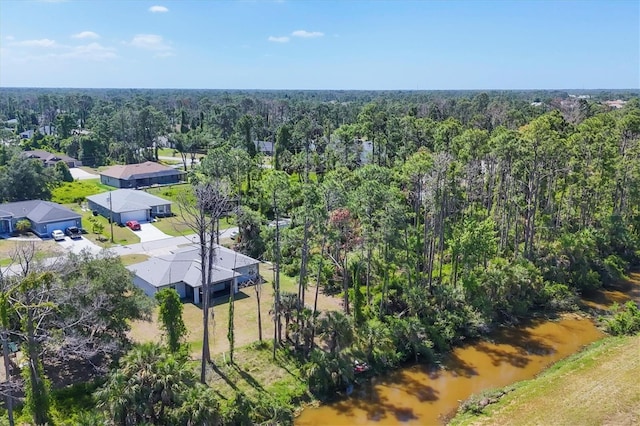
151, 248
166, 245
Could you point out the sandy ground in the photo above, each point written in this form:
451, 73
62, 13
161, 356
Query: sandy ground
245, 317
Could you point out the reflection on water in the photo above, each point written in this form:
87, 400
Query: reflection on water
424, 395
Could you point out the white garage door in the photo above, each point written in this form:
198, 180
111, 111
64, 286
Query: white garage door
60, 225
139, 215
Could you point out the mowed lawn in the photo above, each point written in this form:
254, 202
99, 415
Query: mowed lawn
245, 316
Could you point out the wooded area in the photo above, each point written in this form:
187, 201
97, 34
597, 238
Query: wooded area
434, 216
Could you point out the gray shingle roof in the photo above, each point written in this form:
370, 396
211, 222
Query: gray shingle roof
127, 200
38, 211
47, 157
184, 266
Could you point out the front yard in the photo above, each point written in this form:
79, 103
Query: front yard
43, 249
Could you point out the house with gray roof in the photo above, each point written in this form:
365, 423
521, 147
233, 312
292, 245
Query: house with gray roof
181, 271
44, 216
50, 160
123, 205
141, 175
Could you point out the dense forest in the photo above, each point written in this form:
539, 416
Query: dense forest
433, 216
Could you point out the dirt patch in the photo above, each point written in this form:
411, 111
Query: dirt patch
43, 248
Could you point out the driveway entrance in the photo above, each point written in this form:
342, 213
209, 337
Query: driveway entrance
148, 232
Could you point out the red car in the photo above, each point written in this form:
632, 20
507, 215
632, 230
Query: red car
134, 225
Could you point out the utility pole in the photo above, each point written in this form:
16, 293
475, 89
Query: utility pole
111, 214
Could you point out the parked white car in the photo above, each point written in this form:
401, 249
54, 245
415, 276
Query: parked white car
57, 235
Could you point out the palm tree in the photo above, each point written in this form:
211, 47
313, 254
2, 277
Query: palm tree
336, 330
289, 304
199, 407
148, 386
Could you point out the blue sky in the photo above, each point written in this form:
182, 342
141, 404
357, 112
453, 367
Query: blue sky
324, 44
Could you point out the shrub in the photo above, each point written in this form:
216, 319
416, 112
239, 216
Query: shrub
23, 226
476, 403
625, 320
556, 296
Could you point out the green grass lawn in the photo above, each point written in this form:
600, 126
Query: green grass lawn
170, 152
131, 259
175, 225
594, 387
77, 191
121, 234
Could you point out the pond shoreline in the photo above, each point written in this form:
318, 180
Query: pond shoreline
507, 347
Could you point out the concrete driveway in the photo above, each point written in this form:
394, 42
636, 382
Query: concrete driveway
148, 232
77, 245
81, 174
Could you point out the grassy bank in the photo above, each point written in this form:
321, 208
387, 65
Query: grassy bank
596, 386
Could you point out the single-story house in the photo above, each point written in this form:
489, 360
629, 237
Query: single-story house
123, 205
265, 147
181, 271
140, 175
44, 216
50, 160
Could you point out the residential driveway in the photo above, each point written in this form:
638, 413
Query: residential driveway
78, 245
81, 174
148, 232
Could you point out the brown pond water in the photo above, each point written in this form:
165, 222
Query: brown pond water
427, 395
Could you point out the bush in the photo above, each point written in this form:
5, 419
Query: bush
23, 226
556, 296
625, 320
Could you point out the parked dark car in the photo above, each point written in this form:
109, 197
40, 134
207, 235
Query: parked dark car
73, 232
134, 225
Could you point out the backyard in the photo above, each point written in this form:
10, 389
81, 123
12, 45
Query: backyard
245, 316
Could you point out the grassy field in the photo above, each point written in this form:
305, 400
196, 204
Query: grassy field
175, 225
169, 152
246, 317
72, 192
598, 386
121, 234
43, 249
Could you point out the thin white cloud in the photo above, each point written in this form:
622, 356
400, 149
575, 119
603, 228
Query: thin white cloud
92, 52
10, 37
43, 42
86, 34
158, 9
307, 34
150, 42
278, 39
86, 52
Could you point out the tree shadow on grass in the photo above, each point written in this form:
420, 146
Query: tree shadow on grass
223, 376
248, 378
